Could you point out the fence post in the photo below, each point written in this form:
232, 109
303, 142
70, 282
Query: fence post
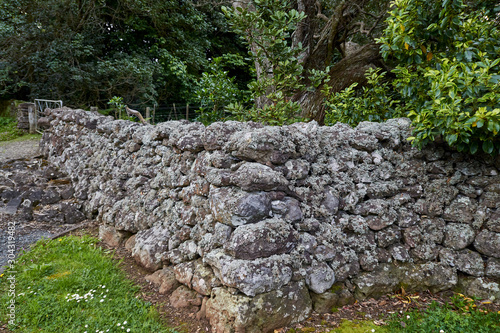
187, 111
154, 114
148, 114
31, 119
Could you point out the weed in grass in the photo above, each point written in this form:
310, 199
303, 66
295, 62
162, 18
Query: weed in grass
359, 326
461, 315
71, 285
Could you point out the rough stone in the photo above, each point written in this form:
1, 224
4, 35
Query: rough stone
458, 236
263, 239
183, 297
164, 279
263, 313
337, 296
488, 243
251, 277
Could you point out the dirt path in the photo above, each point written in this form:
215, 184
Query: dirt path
10, 150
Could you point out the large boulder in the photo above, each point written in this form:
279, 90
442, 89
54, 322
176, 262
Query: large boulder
228, 312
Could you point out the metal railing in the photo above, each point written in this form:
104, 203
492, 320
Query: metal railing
41, 105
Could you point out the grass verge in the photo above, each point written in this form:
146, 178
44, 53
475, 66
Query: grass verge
8, 129
461, 315
72, 285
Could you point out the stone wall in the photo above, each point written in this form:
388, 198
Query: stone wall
261, 225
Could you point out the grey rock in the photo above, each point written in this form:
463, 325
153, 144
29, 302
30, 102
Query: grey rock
263, 239
272, 144
493, 223
493, 268
251, 277
470, 262
388, 236
337, 296
258, 177
263, 313
480, 288
462, 209
458, 236
150, 246
488, 243
320, 277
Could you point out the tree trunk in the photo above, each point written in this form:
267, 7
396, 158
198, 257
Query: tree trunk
349, 70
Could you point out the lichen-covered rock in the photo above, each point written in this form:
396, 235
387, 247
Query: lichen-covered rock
488, 243
258, 177
251, 277
470, 262
319, 277
458, 236
262, 145
481, 288
337, 296
255, 209
264, 313
493, 268
263, 239
150, 246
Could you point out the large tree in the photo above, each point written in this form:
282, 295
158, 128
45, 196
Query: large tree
87, 51
334, 35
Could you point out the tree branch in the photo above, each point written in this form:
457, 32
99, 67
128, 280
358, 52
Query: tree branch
135, 113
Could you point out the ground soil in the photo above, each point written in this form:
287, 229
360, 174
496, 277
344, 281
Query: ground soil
11, 150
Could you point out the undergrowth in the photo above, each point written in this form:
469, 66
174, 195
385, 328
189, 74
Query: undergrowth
461, 315
8, 129
72, 285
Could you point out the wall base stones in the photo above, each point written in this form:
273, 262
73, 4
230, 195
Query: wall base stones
256, 226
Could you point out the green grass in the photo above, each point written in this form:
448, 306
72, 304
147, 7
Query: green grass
460, 316
8, 129
72, 285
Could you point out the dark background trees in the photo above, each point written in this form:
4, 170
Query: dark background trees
87, 51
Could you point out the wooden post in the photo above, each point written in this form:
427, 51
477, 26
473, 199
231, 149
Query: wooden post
31, 118
187, 111
93, 108
148, 114
154, 114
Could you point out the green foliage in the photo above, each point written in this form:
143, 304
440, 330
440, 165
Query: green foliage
461, 315
8, 129
266, 27
215, 89
376, 101
87, 51
448, 70
71, 285
358, 326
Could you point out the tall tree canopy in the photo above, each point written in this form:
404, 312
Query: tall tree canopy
87, 51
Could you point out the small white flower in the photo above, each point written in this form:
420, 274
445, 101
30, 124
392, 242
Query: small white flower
128, 329
118, 324
441, 331
125, 322
86, 326
373, 330
103, 287
102, 300
407, 317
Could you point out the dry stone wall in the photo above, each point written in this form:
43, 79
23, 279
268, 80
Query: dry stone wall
260, 225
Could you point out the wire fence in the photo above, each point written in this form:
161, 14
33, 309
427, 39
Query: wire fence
174, 112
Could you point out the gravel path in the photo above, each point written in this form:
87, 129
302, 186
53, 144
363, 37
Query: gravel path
36, 199
11, 150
